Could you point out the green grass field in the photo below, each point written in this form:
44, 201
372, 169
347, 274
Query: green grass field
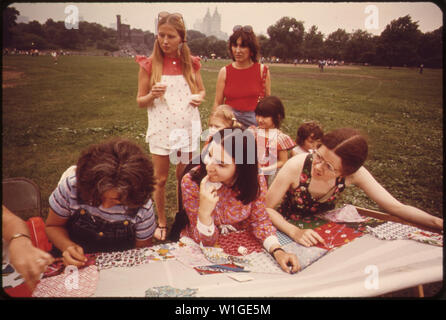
51, 112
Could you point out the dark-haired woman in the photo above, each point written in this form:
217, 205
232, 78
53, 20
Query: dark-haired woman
103, 203
243, 82
227, 190
310, 183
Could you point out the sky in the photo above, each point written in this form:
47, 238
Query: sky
328, 17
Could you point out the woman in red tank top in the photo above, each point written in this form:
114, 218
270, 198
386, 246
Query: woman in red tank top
241, 83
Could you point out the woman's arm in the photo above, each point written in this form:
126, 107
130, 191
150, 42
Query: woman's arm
144, 97
220, 87
364, 180
58, 235
267, 83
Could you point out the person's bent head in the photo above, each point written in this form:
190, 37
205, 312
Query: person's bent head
115, 172
350, 146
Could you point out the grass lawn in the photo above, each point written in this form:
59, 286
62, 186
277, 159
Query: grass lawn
53, 111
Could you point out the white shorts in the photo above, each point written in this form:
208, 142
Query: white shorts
165, 151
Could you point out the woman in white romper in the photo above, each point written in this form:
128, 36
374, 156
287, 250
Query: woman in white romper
170, 87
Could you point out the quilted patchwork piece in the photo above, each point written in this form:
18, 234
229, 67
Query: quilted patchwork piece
392, 231
231, 242
79, 283
168, 291
336, 235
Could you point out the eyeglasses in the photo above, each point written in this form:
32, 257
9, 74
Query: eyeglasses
244, 28
165, 14
317, 158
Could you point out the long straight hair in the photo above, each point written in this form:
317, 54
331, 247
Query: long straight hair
242, 147
185, 56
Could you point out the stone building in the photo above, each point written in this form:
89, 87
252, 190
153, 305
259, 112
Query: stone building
210, 25
133, 41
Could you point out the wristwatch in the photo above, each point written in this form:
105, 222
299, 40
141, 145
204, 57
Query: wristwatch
277, 249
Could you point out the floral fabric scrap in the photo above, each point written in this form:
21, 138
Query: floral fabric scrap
168, 291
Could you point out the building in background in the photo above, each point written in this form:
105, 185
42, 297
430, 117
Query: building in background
133, 41
210, 25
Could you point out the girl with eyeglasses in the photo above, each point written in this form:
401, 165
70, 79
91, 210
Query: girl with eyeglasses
245, 81
310, 183
170, 87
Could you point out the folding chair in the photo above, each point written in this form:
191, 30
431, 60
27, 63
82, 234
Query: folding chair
22, 197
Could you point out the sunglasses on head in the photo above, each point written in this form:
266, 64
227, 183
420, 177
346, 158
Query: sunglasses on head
246, 28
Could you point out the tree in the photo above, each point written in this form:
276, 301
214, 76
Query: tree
398, 42
360, 48
335, 44
10, 15
286, 37
194, 34
313, 43
430, 48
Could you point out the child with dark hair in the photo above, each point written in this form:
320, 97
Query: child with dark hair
227, 190
104, 202
308, 138
272, 143
310, 183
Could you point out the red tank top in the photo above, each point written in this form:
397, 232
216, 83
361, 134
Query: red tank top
243, 87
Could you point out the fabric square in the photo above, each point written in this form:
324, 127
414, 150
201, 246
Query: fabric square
392, 231
305, 255
73, 283
336, 235
283, 238
262, 262
232, 241
169, 291
347, 213
307, 222
427, 237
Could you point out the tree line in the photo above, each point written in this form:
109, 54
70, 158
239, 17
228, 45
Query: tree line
400, 44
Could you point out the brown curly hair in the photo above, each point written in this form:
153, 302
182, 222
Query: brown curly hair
117, 163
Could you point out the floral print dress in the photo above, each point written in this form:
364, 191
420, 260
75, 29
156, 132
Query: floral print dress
299, 201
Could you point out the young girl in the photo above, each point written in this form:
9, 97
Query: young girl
227, 190
309, 183
308, 138
171, 89
272, 143
103, 203
222, 117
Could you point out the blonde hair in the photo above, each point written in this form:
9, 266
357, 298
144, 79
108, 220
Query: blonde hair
185, 57
225, 113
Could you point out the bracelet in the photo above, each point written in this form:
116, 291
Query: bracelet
18, 235
277, 249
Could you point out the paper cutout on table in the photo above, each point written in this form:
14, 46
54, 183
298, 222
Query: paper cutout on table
168, 291
231, 242
76, 283
398, 231
307, 222
162, 252
10, 277
427, 237
347, 213
219, 268
336, 235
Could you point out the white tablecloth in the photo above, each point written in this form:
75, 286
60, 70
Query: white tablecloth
365, 267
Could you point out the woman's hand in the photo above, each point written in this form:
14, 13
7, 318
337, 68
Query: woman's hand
287, 261
196, 100
208, 201
158, 90
307, 237
74, 255
28, 260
